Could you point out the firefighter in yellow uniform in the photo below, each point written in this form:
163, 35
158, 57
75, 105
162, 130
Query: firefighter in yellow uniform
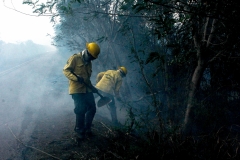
78, 70
109, 84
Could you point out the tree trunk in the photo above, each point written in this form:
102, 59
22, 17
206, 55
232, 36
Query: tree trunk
201, 43
189, 115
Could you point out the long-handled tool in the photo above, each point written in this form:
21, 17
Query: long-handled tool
103, 100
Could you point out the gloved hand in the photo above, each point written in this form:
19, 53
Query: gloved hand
94, 90
80, 79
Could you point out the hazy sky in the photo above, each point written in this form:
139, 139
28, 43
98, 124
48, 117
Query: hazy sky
17, 27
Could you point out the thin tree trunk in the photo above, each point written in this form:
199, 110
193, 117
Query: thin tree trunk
201, 45
189, 115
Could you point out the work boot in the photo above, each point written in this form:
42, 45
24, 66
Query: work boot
79, 127
80, 133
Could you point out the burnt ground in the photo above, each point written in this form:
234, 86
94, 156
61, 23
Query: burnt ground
54, 138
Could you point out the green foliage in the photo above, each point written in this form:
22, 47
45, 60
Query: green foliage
47, 7
154, 56
139, 7
219, 145
29, 2
66, 9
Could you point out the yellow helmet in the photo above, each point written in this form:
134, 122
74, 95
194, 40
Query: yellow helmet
93, 49
123, 69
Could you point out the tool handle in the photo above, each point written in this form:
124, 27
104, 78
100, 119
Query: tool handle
87, 84
99, 94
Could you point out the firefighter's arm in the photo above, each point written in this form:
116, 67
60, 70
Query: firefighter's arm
69, 67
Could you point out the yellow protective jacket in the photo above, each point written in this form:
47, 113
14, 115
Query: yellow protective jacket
99, 76
76, 64
109, 82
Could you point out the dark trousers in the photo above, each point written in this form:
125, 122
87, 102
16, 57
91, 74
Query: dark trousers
85, 109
